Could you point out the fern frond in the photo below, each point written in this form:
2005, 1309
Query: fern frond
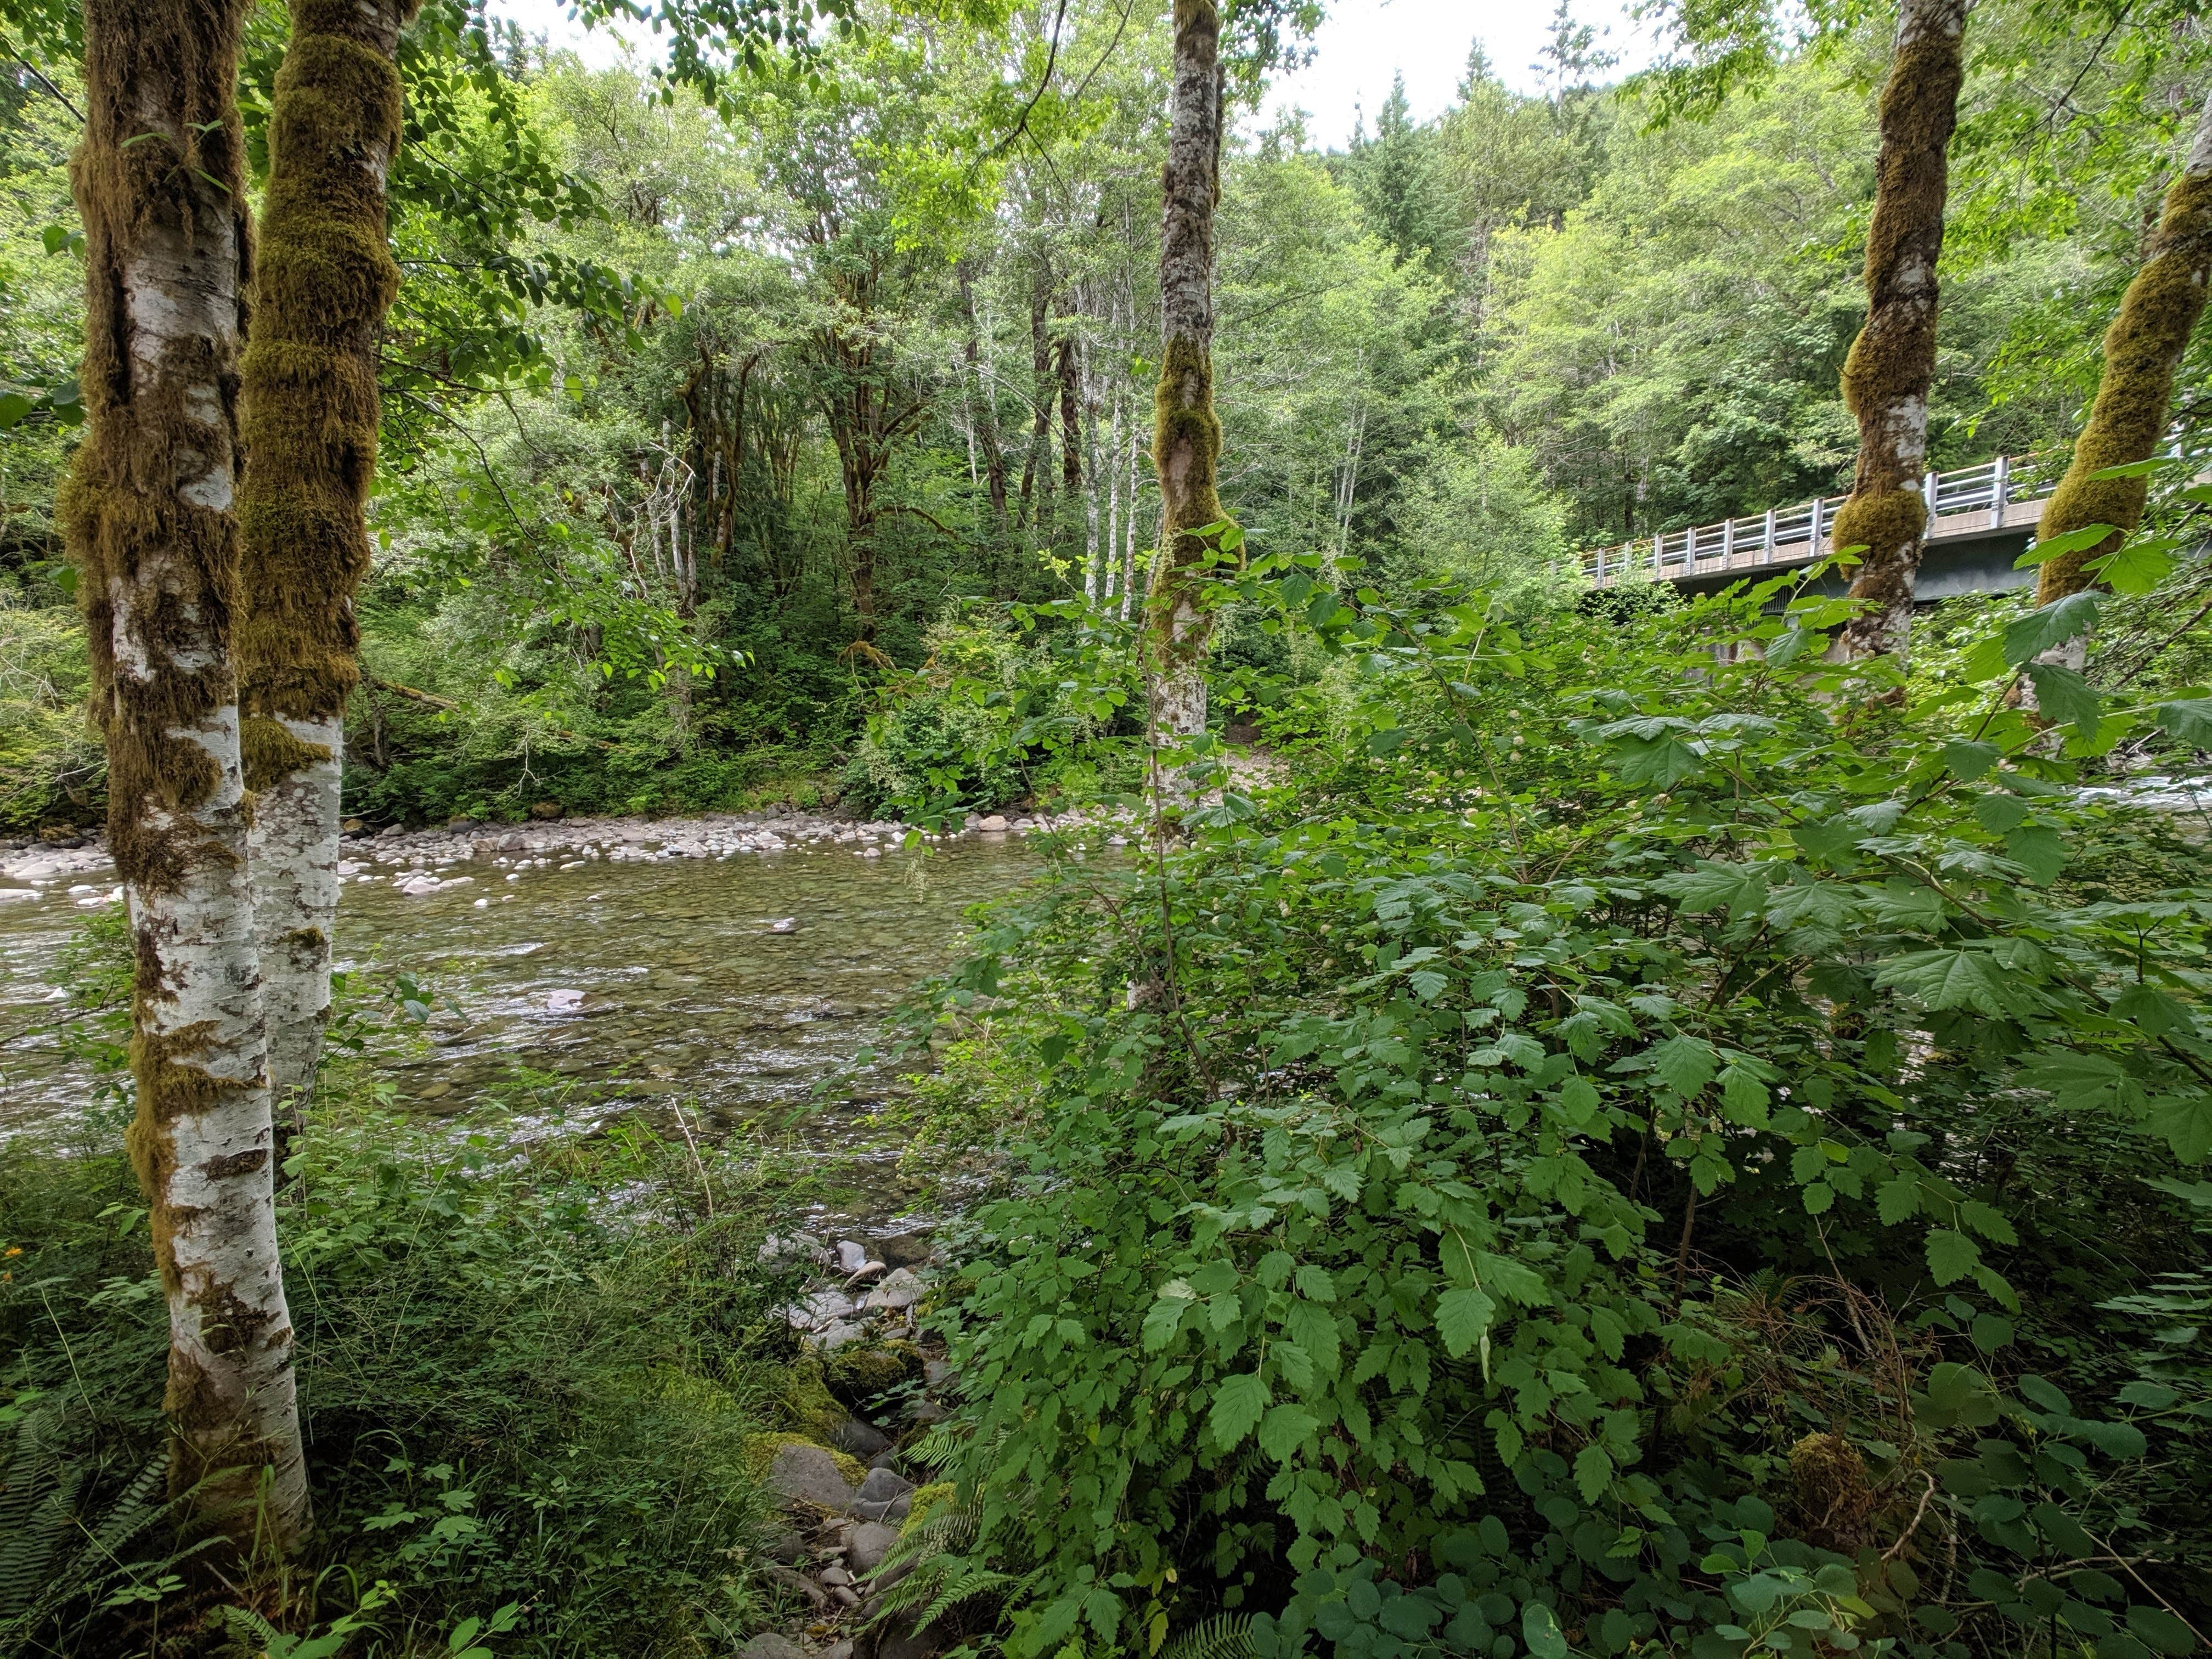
1224, 1635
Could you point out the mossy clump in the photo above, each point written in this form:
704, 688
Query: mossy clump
761, 1450
926, 1504
1834, 1497
2142, 347
807, 1404
857, 1374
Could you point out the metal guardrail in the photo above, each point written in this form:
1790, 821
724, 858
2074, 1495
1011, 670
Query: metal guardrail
1971, 501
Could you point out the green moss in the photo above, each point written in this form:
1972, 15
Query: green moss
2142, 347
927, 1502
1187, 451
326, 280
857, 1374
808, 1404
269, 752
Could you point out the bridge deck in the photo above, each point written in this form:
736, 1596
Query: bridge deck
2003, 494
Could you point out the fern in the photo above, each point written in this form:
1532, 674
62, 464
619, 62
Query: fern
51, 1554
1224, 1635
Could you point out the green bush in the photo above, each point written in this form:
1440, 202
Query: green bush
1634, 1150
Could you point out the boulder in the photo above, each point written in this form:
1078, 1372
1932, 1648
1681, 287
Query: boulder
898, 1639
852, 1254
904, 1249
804, 1473
546, 811
769, 1646
862, 1440
871, 1541
993, 825
899, 1288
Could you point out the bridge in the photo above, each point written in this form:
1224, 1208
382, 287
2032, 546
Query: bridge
1981, 518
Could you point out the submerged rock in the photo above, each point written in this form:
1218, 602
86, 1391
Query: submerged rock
768, 1646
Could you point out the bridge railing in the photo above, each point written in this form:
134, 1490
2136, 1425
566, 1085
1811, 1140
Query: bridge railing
1966, 501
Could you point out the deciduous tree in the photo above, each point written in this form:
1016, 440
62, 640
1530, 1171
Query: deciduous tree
149, 512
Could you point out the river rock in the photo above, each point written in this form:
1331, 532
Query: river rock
9, 893
993, 825
862, 1440
769, 1646
563, 1002
905, 1249
872, 1541
784, 925
899, 1288
802, 1473
851, 1255
884, 1496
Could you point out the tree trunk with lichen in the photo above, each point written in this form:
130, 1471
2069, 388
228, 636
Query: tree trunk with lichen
1892, 366
2134, 398
1187, 433
149, 512
325, 279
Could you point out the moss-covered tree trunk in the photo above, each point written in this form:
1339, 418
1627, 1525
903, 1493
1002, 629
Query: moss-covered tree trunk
323, 281
1187, 434
1892, 366
149, 511
2134, 398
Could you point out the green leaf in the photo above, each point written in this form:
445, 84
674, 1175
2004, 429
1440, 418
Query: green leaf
1743, 1097
1578, 1100
1662, 763
14, 406
1285, 1429
2064, 698
2056, 623
1998, 813
1237, 1404
2185, 1120
1593, 1472
2038, 850
1989, 1223
2188, 720
2135, 567
1541, 1633
1898, 1200
2077, 540
1462, 1316
1684, 1064
1314, 1282
1515, 1280
1966, 761
1956, 978
1951, 1256
2160, 1629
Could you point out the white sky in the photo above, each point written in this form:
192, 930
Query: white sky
1363, 44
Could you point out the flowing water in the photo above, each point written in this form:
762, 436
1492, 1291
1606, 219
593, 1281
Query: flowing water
653, 988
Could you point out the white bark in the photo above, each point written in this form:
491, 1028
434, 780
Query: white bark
203, 1143
294, 844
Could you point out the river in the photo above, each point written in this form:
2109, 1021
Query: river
643, 983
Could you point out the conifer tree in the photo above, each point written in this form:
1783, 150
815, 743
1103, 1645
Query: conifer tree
148, 511
2135, 397
1187, 433
325, 280
1891, 367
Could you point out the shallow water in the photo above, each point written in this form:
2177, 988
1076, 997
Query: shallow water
689, 1003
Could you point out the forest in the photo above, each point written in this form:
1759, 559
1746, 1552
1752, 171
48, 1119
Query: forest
1489, 1101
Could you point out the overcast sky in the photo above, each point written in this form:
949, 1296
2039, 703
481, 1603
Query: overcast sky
1358, 49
